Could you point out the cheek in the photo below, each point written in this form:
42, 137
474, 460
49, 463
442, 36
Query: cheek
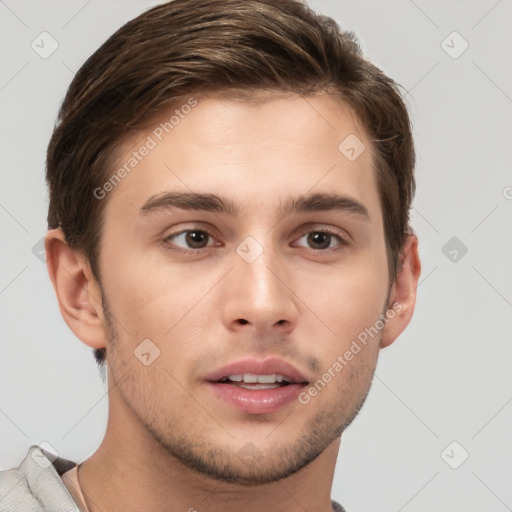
346, 299
146, 291
348, 350
349, 304
171, 305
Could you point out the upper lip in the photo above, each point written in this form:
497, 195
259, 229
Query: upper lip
258, 367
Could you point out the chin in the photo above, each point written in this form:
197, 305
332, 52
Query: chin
249, 467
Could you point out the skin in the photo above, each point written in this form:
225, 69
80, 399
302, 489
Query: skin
170, 443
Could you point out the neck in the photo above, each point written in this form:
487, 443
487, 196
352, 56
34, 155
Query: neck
131, 471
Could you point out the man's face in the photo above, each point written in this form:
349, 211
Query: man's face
255, 279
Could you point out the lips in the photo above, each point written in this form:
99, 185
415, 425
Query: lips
257, 386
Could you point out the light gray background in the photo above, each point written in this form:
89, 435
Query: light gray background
448, 378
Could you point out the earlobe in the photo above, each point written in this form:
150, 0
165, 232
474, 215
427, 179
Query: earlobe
78, 293
403, 293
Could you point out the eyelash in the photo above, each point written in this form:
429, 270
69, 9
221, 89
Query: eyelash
342, 241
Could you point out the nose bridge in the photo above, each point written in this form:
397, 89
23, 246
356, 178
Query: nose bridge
257, 292
257, 270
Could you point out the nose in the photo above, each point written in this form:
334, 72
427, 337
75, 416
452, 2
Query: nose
259, 296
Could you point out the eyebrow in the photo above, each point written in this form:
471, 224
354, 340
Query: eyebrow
218, 204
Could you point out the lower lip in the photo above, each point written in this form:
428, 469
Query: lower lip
258, 401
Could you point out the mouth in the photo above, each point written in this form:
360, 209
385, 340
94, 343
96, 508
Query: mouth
257, 386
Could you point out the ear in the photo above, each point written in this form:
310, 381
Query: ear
78, 293
403, 292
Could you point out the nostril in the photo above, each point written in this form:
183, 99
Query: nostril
243, 321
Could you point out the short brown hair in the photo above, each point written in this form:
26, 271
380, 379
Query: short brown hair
186, 46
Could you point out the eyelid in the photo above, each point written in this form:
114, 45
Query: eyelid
327, 229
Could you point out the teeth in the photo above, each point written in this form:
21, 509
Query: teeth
250, 378
267, 379
257, 386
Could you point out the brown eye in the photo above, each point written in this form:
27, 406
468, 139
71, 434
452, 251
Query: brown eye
197, 239
191, 239
321, 240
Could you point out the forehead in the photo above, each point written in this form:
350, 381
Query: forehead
277, 146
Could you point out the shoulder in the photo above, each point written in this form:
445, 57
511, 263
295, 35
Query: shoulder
36, 485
